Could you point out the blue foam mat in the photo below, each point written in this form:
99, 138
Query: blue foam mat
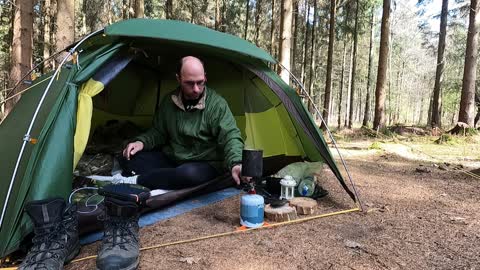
171, 211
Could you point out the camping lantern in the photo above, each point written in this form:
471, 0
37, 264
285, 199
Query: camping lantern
287, 187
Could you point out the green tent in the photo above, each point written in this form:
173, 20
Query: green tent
131, 66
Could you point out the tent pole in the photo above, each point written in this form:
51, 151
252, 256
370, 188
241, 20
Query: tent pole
295, 80
26, 137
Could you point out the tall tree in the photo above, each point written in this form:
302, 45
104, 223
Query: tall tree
169, 9
312, 56
437, 93
22, 46
218, 15
305, 44
272, 28
379, 118
46, 31
258, 13
295, 34
139, 10
366, 115
467, 107
245, 34
286, 38
354, 66
331, 43
65, 34
342, 81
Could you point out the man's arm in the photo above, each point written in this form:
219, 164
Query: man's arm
229, 136
156, 135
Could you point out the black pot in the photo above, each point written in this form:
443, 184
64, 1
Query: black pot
273, 185
252, 163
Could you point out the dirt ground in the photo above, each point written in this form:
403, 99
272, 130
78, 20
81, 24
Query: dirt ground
417, 215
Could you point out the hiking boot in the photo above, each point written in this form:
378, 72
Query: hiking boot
120, 248
56, 234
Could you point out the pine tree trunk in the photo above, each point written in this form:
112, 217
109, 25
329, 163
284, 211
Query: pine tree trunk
22, 47
342, 80
125, 6
354, 66
245, 34
366, 115
331, 43
347, 103
169, 9
258, 13
379, 118
192, 11
65, 26
467, 108
46, 33
139, 9
286, 38
218, 16
437, 96
312, 59
272, 29
295, 36
305, 44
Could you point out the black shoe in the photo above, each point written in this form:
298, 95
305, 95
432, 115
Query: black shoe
120, 248
56, 235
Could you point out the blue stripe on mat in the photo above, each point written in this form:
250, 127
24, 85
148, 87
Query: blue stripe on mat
171, 211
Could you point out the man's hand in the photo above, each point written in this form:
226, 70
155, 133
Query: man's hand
132, 148
237, 174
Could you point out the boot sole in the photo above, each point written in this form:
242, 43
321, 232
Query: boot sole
73, 254
130, 267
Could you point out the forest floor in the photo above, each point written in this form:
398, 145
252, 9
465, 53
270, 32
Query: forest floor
420, 212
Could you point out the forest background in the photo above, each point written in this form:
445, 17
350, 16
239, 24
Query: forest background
363, 62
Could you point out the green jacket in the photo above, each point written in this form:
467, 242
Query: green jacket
207, 133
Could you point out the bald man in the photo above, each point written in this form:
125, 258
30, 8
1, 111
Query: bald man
194, 137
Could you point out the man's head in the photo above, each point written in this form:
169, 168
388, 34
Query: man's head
191, 77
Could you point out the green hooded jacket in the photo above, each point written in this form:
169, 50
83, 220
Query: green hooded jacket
206, 133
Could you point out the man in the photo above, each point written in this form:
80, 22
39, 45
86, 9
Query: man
194, 137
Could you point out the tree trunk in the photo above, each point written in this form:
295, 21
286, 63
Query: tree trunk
286, 39
139, 9
305, 44
354, 66
22, 47
217, 15
258, 13
437, 94
245, 34
46, 33
467, 108
169, 9
342, 80
272, 29
347, 102
125, 6
379, 119
312, 59
192, 11
331, 43
295, 36
366, 115
65, 26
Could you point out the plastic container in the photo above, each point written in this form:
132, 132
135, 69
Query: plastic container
306, 188
252, 210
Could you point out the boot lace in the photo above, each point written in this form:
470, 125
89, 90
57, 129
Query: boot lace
120, 232
47, 244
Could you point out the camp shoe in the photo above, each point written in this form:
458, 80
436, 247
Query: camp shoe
120, 248
56, 235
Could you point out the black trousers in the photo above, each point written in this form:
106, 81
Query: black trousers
157, 171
